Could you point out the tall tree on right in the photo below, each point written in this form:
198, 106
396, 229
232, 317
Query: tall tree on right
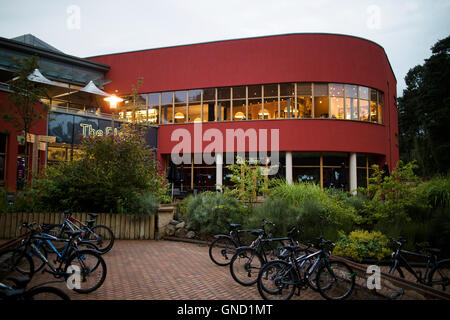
424, 112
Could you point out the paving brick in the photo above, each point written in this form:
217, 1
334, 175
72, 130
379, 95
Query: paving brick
165, 270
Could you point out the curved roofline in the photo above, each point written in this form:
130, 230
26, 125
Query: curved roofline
256, 37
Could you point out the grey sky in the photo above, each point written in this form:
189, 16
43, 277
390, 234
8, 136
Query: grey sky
406, 29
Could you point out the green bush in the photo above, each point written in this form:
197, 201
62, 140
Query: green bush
362, 244
115, 174
304, 205
212, 212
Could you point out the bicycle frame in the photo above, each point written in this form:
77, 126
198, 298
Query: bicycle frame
400, 261
47, 238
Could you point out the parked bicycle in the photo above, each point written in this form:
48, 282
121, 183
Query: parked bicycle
224, 247
247, 261
101, 236
437, 272
91, 265
18, 291
278, 279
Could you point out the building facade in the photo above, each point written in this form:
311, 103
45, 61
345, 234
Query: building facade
332, 99
322, 103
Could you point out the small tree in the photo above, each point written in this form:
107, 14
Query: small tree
248, 180
24, 108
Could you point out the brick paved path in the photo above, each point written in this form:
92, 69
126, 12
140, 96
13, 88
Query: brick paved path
166, 270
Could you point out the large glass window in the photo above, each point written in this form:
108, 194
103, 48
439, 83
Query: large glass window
373, 105
224, 104
306, 167
336, 101
380, 107
239, 110
336, 108
363, 110
287, 105
167, 107
304, 100
209, 103
269, 101
320, 100
254, 103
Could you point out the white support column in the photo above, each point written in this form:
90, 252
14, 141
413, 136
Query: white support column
353, 174
289, 167
219, 170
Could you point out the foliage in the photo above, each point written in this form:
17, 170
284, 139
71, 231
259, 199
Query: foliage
424, 112
362, 244
212, 212
392, 198
305, 206
115, 174
247, 180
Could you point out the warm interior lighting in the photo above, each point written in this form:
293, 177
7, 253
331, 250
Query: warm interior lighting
266, 113
239, 115
179, 115
197, 120
113, 101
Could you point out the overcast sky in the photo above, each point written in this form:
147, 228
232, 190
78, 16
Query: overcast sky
406, 29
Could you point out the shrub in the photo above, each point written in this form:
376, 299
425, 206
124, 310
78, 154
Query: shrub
307, 207
115, 174
362, 244
393, 198
212, 212
142, 205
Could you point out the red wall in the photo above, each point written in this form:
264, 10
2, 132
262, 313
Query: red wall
40, 127
272, 59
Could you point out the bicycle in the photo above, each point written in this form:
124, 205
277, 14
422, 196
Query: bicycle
89, 262
15, 262
247, 261
39, 292
437, 272
279, 279
224, 247
99, 235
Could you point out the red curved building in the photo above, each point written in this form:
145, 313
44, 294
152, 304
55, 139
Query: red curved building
332, 99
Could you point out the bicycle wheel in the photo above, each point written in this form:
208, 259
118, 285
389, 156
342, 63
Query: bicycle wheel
15, 262
102, 237
92, 270
245, 266
46, 293
276, 280
335, 280
439, 277
222, 250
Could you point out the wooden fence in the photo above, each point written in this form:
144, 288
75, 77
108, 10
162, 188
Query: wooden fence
124, 226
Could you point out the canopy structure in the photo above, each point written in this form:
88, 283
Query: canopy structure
52, 88
89, 94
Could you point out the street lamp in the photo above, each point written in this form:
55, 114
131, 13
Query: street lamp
113, 101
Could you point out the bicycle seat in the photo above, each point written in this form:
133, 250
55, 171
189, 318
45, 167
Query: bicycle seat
73, 234
48, 227
93, 215
235, 225
291, 248
20, 283
433, 250
257, 232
